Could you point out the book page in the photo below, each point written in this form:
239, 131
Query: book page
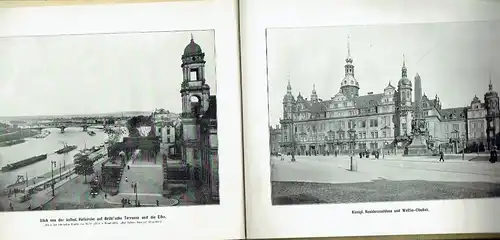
382, 117
121, 120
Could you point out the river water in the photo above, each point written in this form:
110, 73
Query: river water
47, 145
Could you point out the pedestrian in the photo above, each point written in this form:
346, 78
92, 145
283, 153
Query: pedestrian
128, 167
29, 207
157, 203
441, 156
360, 155
126, 179
493, 155
11, 207
105, 195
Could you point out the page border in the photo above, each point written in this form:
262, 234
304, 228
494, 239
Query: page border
190, 222
263, 219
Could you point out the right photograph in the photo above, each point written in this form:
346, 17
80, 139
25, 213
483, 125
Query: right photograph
380, 113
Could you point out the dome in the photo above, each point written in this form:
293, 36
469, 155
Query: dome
475, 100
349, 80
404, 82
288, 98
192, 49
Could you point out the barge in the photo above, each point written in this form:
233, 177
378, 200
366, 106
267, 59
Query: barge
23, 163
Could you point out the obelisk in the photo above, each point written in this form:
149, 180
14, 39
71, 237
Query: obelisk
418, 147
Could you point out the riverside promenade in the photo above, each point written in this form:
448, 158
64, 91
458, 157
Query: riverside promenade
38, 198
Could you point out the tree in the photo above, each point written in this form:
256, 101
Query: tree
85, 167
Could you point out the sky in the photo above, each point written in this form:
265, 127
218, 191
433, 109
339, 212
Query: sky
101, 73
454, 60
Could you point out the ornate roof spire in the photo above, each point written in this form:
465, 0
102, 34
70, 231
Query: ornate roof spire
490, 86
349, 58
192, 38
403, 69
349, 46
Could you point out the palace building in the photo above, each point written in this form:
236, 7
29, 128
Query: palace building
318, 126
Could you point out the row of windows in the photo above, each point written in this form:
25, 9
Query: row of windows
339, 136
474, 114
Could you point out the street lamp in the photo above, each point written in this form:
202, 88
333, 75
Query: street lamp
52, 165
383, 153
352, 136
293, 138
463, 146
135, 191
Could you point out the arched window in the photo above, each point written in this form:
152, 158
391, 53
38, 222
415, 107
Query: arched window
195, 105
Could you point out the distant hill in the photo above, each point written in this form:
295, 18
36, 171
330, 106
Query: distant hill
115, 114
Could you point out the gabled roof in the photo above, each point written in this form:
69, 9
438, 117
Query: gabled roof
368, 100
453, 114
316, 107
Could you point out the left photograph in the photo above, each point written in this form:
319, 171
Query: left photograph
108, 121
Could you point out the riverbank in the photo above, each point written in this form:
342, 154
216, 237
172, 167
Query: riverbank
18, 135
12, 143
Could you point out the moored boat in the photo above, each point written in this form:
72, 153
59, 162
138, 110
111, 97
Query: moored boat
25, 162
66, 149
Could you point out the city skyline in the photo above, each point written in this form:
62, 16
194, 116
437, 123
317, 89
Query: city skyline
149, 64
316, 56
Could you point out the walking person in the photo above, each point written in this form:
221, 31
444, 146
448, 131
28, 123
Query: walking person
441, 156
157, 203
493, 154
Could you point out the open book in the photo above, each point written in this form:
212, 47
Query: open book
258, 119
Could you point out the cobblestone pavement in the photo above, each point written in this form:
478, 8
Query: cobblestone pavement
327, 179
378, 191
329, 169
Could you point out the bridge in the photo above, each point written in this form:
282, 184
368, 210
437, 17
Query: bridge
65, 124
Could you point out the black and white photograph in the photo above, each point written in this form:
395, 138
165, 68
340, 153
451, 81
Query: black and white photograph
377, 113
108, 121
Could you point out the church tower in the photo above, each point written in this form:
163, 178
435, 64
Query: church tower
195, 94
314, 95
287, 129
349, 85
492, 117
403, 103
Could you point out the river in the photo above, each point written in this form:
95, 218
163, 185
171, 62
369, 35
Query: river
47, 145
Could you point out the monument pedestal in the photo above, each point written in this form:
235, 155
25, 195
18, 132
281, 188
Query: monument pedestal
418, 147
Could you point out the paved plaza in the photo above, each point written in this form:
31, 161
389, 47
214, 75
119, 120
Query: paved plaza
325, 178
148, 174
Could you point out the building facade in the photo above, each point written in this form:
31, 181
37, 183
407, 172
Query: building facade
378, 120
275, 140
199, 142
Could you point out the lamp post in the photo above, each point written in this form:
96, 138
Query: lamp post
135, 191
383, 150
52, 165
352, 136
293, 138
463, 146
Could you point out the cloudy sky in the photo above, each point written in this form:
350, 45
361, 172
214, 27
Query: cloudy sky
454, 60
102, 73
